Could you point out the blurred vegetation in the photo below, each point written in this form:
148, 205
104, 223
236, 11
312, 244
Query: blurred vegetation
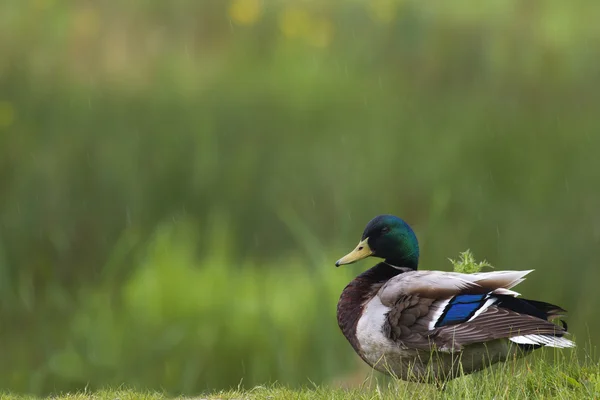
177, 178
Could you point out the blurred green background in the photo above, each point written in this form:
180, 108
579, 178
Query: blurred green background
178, 178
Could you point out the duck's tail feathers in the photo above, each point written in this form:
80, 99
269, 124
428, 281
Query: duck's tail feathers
543, 340
551, 310
535, 308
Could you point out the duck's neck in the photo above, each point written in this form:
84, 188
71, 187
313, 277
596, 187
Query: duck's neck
357, 293
405, 257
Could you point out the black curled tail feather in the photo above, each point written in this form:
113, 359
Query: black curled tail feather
552, 311
539, 309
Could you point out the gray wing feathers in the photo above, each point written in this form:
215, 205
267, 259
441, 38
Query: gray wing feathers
422, 283
438, 285
493, 323
500, 279
407, 322
416, 298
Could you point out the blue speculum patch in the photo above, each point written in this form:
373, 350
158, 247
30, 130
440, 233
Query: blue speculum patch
460, 309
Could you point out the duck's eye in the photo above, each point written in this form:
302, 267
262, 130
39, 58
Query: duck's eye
385, 229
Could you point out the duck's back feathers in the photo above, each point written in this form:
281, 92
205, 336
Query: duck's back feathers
436, 285
448, 311
513, 319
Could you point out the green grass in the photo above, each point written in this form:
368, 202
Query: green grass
555, 375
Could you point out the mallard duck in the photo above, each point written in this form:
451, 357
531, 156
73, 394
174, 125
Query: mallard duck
433, 326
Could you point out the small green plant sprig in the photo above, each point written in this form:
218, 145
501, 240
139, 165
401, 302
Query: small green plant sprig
466, 263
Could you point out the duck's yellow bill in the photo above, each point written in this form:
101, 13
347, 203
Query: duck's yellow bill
361, 251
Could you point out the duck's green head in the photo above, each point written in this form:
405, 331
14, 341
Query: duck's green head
387, 237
